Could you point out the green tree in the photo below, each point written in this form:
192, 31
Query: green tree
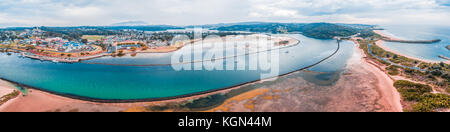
84, 41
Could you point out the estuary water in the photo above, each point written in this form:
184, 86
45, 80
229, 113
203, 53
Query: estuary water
113, 82
417, 32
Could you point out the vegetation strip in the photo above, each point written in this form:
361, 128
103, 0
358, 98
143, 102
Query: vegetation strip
416, 97
9, 96
421, 97
370, 51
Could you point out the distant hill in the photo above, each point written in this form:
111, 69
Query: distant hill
327, 31
263, 27
225, 24
358, 26
130, 23
313, 30
144, 28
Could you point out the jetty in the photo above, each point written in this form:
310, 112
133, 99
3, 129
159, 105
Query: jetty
413, 41
53, 59
392, 39
444, 57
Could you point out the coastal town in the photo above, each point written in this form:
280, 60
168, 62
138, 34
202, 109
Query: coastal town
50, 46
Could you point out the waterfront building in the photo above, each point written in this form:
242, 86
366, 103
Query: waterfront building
75, 47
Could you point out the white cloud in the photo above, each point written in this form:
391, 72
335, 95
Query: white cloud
354, 11
82, 11
187, 12
271, 11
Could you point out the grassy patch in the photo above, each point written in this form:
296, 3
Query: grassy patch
378, 51
8, 97
393, 70
93, 37
365, 47
430, 102
437, 74
424, 100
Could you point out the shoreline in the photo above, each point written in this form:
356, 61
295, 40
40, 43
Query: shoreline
381, 44
101, 53
385, 81
362, 89
164, 98
293, 42
5, 88
52, 95
38, 100
43, 101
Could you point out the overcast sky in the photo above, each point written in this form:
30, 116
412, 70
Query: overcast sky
195, 12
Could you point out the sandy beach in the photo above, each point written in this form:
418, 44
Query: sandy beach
380, 32
385, 84
380, 43
38, 101
41, 101
5, 88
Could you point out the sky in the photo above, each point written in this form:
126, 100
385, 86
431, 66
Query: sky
197, 12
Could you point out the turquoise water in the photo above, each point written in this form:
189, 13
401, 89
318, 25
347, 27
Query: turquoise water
423, 51
132, 83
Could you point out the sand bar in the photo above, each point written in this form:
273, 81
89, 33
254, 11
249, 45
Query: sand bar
5, 88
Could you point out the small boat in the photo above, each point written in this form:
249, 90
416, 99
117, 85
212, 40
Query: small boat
55, 61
